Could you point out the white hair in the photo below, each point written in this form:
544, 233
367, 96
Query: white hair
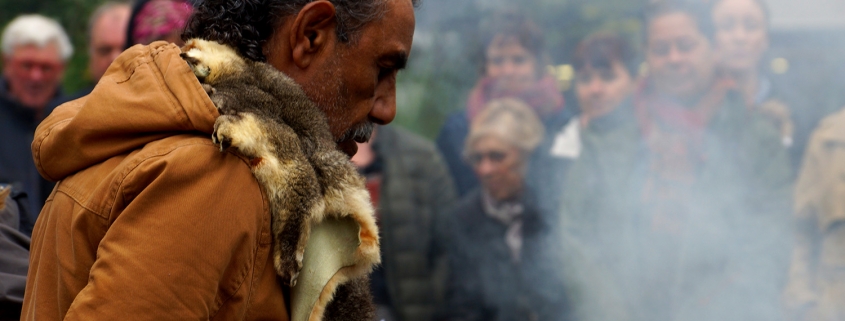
33, 29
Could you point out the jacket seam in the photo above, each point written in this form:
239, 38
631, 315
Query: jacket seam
255, 254
130, 170
139, 61
78, 202
164, 152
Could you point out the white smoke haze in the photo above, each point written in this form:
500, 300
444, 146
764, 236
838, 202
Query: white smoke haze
733, 261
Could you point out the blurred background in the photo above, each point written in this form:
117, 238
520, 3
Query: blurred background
747, 199
807, 46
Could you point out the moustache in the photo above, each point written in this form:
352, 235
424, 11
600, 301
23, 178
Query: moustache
360, 133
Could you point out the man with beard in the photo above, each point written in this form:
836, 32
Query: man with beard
149, 219
715, 187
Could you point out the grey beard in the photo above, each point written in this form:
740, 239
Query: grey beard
360, 133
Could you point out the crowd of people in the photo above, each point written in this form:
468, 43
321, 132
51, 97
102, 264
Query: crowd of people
677, 189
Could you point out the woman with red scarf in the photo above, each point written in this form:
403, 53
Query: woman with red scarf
514, 67
715, 183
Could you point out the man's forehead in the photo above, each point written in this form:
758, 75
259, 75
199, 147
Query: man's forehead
117, 15
34, 51
393, 34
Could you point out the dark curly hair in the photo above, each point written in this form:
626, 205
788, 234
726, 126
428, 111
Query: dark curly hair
248, 24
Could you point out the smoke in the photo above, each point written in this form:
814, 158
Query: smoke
633, 239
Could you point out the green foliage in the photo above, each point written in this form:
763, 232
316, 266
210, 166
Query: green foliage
73, 16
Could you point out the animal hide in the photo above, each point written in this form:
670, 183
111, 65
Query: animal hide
309, 184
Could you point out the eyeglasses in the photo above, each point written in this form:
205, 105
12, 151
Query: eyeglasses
495, 156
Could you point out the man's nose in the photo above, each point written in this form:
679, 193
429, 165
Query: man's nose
384, 105
36, 73
484, 167
596, 87
508, 68
675, 55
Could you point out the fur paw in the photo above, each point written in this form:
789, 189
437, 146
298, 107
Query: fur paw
243, 131
196, 65
210, 91
221, 135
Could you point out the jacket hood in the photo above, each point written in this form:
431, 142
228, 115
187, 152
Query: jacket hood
147, 93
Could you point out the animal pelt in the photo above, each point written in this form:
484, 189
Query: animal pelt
267, 118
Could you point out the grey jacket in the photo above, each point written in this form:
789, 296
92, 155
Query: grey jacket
415, 193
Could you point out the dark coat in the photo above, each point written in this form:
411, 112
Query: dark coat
14, 255
595, 199
485, 284
547, 172
17, 127
450, 142
415, 193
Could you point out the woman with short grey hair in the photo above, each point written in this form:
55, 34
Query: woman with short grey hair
499, 262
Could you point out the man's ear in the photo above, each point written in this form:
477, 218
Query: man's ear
312, 31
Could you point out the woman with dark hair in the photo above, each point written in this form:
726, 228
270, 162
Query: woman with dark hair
514, 66
592, 196
741, 40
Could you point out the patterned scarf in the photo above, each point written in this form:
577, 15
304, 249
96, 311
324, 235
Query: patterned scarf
674, 134
543, 97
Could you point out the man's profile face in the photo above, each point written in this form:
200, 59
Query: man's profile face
356, 86
33, 74
108, 35
680, 58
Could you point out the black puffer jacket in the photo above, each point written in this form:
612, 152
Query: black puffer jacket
485, 283
415, 193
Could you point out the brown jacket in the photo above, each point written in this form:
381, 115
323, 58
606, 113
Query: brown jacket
149, 220
816, 289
